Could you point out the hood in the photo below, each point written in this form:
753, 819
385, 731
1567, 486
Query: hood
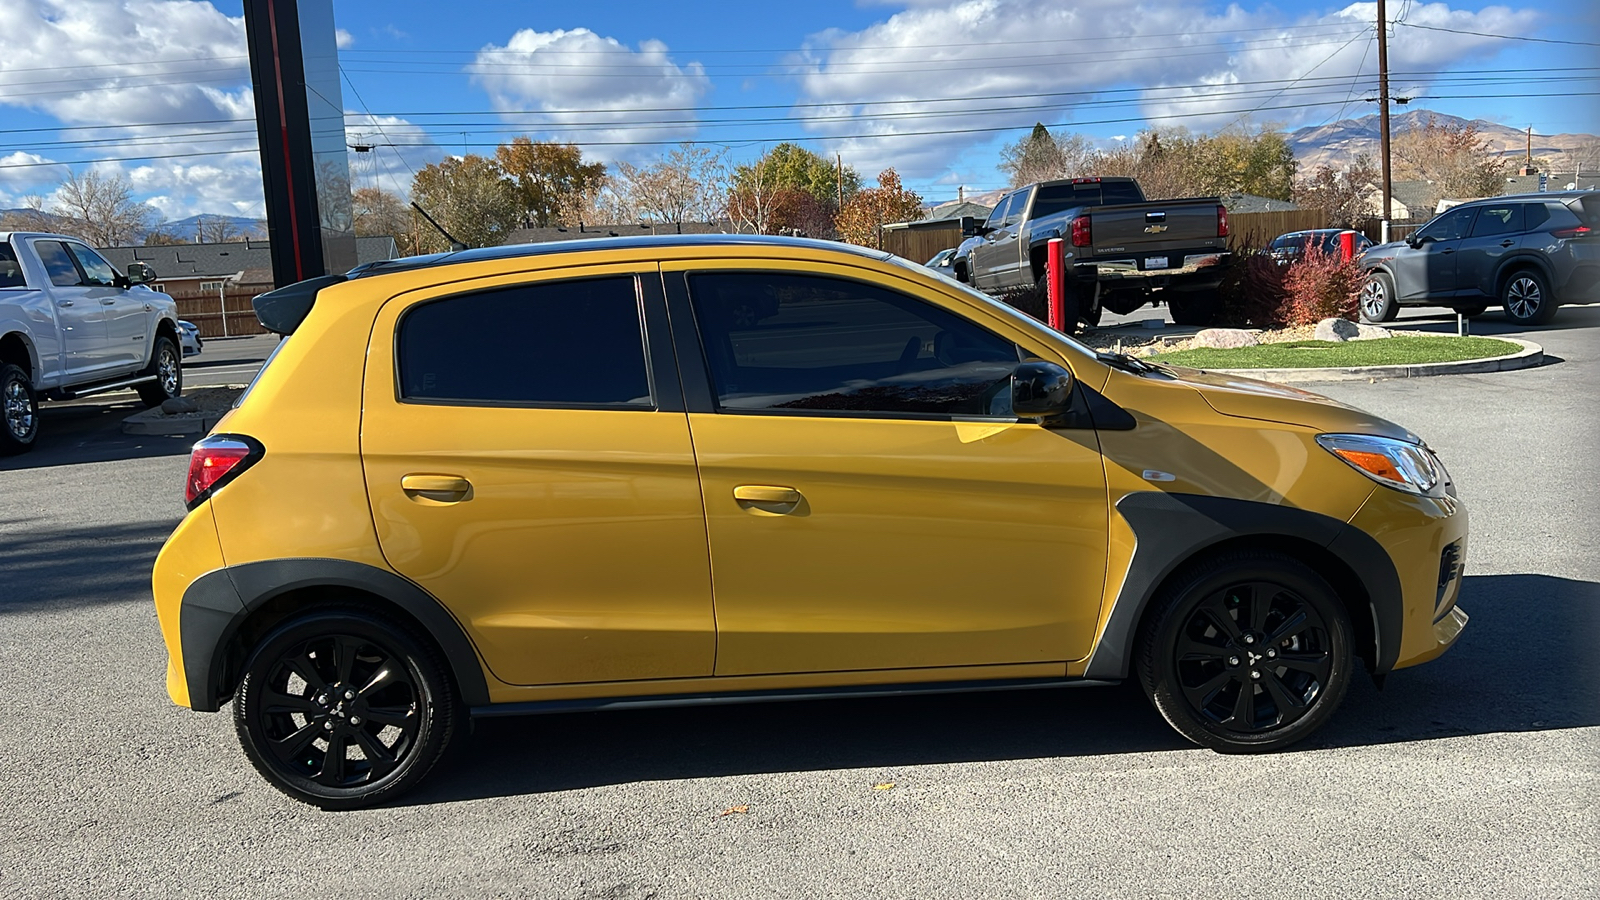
1380, 252
1250, 398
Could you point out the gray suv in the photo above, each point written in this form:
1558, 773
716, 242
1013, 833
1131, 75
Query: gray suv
1526, 252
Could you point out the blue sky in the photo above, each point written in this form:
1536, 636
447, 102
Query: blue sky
932, 87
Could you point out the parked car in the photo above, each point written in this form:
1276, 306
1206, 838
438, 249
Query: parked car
189, 338
941, 261
1286, 248
1528, 253
71, 325
1121, 250
624, 495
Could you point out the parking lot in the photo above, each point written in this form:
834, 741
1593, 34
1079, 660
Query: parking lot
1473, 776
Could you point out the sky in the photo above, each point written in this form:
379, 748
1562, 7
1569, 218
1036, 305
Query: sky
158, 91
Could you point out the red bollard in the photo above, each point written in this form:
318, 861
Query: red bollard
1056, 284
1347, 245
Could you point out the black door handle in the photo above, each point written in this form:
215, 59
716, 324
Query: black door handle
1507, 243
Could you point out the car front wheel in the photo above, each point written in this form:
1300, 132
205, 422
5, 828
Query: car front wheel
1377, 299
1246, 652
1527, 299
341, 709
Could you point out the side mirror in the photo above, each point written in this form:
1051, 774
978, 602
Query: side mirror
969, 226
1414, 240
140, 273
1040, 390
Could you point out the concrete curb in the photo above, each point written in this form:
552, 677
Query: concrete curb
154, 421
1529, 356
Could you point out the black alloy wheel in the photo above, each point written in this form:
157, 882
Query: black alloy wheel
1377, 299
1247, 652
1527, 299
19, 411
340, 710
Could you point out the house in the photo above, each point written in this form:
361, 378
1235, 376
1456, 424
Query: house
214, 283
1408, 200
1550, 181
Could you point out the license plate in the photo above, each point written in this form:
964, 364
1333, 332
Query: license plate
1155, 262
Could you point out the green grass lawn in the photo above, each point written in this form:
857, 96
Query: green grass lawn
1392, 351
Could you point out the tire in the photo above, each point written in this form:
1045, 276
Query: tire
1070, 304
1378, 299
1193, 307
345, 677
166, 364
1527, 298
958, 271
19, 411
1225, 630
1471, 311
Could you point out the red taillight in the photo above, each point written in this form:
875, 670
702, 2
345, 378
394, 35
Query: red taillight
213, 460
1082, 236
1222, 221
1577, 232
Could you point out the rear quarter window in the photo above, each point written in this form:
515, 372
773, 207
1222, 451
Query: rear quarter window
10, 269
1588, 210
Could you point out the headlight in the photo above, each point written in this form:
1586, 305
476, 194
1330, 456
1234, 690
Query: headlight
1398, 464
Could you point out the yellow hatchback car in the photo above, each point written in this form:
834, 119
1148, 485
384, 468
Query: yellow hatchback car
602, 474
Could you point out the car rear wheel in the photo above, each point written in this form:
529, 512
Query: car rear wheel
342, 710
19, 407
1527, 299
1193, 307
166, 364
1246, 652
1377, 299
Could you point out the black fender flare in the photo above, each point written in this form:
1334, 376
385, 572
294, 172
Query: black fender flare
1170, 529
1516, 261
219, 602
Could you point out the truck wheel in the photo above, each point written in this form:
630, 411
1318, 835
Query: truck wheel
166, 364
1197, 308
20, 407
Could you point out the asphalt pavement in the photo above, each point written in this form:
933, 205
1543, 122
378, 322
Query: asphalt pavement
1472, 776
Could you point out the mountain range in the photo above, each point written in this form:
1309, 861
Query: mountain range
1337, 144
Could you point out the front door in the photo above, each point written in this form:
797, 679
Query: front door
870, 502
528, 463
127, 314
1429, 270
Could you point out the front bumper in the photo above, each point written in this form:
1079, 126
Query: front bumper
1426, 539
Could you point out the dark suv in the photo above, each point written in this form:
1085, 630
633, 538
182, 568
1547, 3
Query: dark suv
1527, 252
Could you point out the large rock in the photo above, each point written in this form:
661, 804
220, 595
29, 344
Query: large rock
175, 406
1225, 338
1371, 332
1336, 330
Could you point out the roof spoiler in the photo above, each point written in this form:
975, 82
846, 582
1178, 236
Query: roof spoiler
281, 311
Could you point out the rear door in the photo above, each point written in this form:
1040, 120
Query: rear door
84, 350
528, 463
1496, 234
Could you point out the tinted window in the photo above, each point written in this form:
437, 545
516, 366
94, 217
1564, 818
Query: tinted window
56, 261
1019, 205
1534, 215
1054, 198
998, 215
557, 343
1503, 218
802, 342
1449, 226
10, 269
1588, 209
95, 269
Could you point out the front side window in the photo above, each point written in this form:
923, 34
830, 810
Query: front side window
96, 270
998, 216
1019, 206
57, 262
778, 342
1505, 218
1450, 225
561, 343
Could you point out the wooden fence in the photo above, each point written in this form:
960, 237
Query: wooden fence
206, 310
1258, 229
919, 242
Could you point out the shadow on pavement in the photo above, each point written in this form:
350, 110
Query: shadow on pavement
1494, 322
55, 569
1525, 663
90, 432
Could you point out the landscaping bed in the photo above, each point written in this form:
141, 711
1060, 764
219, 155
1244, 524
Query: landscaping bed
1399, 349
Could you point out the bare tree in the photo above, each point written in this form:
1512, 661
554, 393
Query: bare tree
31, 217
214, 230
102, 209
686, 185
1342, 195
1454, 158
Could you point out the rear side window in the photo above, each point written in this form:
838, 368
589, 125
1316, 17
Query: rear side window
816, 344
10, 269
563, 344
1056, 197
57, 262
1588, 210
1504, 218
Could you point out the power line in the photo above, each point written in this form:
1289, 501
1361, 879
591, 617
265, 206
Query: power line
1501, 37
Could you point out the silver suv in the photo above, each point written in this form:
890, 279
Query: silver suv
1526, 252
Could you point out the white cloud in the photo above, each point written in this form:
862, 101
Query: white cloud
399, 149
1090, 61
553, 76
343, 38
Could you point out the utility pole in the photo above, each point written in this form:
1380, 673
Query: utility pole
838, 158
1383, 115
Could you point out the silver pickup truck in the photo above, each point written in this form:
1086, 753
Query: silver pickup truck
1121, 250
71, 325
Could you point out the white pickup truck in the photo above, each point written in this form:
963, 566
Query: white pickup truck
72, 325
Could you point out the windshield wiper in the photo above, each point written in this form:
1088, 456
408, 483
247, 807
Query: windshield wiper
1131, 363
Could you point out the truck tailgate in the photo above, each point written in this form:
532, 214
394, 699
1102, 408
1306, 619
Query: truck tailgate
1155, 228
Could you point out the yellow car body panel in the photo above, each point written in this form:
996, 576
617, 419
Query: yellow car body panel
605, 554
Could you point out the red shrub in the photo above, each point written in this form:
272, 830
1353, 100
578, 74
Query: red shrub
1321, 286
1252, 290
